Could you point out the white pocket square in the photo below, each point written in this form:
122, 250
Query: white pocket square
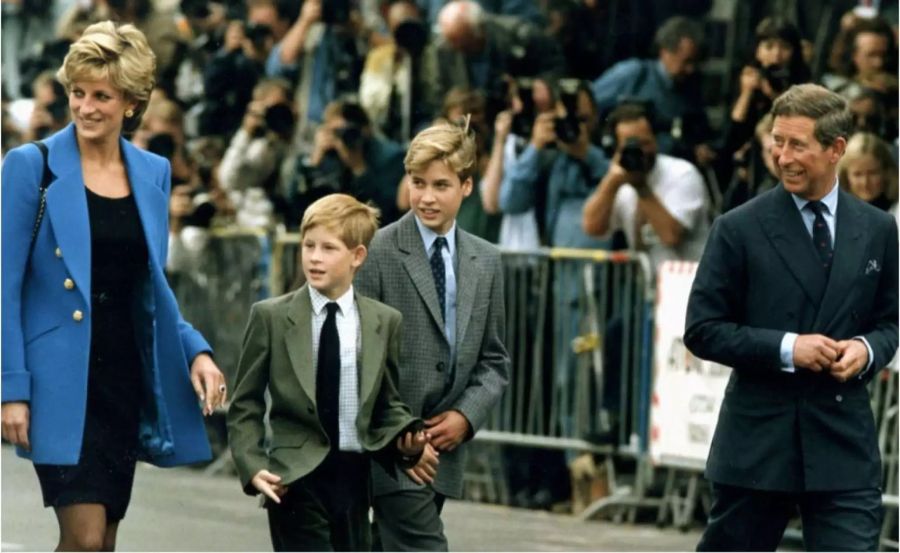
873, 267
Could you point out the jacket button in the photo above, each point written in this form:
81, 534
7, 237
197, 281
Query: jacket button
69, 284
77, 315
58, 252
839, 397
440, 366
310, 409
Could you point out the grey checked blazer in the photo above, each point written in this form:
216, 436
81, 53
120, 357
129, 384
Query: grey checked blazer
397, 273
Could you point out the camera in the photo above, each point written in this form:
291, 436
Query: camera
523, 121
412, 36
257, 33
350, 135
632, 157
279, 119
778, 76
568, 127
335, 11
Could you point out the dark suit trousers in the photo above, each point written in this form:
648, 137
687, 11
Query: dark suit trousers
750, 520
326, 510
409, 520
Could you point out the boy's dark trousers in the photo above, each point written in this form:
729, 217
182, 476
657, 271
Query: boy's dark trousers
326, 510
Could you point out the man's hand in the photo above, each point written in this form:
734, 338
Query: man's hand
542, 133
853, 356
352, 158
426, 469
447, 430
208, 382
269, 484
15, 418
815, 352
502, 125
310, 13
253, 117
410, 445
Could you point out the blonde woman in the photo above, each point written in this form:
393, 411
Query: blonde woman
98, 367
868, 171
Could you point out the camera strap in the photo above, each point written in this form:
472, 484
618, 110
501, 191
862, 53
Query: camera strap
46, 178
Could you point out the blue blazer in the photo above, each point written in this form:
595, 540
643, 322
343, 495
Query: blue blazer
46, 332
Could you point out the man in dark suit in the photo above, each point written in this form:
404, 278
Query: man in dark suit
797, 292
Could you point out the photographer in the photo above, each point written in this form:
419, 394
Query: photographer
348, 157
258, 148
558, 168
320, 54
391, 87
477, 49
658, 201
50, 107
776, 64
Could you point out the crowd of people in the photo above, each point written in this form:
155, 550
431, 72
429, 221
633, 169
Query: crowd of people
263, 106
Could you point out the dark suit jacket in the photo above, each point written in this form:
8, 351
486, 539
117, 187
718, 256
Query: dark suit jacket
398, 273
278, 354
759, 278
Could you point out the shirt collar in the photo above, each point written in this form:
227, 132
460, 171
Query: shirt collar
319, 300
830, 200
429, 236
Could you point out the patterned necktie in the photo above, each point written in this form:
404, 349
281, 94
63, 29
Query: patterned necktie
437, 270
328, 375
821, 235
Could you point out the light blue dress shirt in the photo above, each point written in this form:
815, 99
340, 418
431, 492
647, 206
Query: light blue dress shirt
829, 214
449, 255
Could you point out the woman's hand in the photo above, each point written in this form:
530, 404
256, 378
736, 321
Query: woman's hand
15, 418
209, 383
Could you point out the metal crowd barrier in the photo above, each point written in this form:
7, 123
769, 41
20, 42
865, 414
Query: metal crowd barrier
217, 287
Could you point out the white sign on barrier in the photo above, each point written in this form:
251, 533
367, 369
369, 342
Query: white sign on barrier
687, 391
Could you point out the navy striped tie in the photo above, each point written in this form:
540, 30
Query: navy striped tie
821, 235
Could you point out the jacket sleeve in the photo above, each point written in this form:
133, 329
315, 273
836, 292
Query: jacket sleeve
491, 373
883, 335
714, 329
246, 432
22, 170
191, 340
517, 194
390, 411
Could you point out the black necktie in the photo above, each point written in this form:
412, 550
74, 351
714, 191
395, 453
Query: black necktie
821, 235
328, 375
437, 270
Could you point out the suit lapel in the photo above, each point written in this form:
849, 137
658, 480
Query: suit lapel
415, 261
298, 340
783, 224
372, 344
848, 257
468, 274
67, 208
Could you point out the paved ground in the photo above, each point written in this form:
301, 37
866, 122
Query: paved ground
181, 510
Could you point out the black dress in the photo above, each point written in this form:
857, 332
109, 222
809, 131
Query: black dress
105, 470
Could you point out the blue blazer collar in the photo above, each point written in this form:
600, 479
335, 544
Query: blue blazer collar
67, 203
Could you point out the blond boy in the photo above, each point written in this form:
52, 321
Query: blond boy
328, 358
448, 284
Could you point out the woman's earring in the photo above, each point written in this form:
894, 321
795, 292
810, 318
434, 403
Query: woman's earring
129, 113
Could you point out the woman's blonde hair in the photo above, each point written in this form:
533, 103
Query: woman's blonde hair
863, 144
454, 145
354, 222
117, 53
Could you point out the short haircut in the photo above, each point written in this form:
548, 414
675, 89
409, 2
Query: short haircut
269, 84
349, 110
354, 222
862, 144
453, 145
828, 109
469, 100
844, 46
627, 112
673, 30
117, 53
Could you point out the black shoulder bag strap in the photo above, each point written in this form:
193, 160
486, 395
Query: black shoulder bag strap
46, 177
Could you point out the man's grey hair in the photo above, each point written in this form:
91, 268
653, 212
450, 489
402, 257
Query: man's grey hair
828, 109
673, 30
